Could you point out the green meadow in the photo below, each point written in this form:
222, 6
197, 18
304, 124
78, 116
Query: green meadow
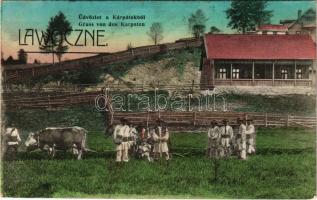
284, 167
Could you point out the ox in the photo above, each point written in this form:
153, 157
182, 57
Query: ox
57, 138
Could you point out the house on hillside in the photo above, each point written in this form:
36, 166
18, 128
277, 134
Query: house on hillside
272, 29
304, 24
257, 60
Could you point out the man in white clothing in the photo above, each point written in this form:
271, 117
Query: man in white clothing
250, 137
226, 135
10, 142
160, 136
213, 140
241, 140
121, 136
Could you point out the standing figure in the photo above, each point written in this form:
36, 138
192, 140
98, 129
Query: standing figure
241, 140
226, 136
121, 136
236, 138
213, 140
132, 139
160, 137
11, 140
251, 135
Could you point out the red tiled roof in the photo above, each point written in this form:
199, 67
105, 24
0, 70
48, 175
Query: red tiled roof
272, 27
264, 47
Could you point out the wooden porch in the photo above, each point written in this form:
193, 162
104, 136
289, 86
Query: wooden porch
265, 82
257, 73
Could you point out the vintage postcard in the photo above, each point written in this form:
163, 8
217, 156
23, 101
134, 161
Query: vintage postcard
158, 99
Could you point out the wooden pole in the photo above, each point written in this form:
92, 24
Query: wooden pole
212, 65
295, 74
193, 83
253, 72
231, 74
273, 73
265, 119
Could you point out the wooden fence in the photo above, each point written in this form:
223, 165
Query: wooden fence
188, 120
18, 72
194, 120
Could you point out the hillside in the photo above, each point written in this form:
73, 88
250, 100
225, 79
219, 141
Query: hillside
176, 67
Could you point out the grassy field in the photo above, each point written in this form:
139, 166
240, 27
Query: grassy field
284, 167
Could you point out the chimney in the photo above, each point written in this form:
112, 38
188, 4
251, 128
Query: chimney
299, 14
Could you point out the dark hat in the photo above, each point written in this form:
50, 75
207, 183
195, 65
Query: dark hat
158, 120
225, 120
123, 119
214, 122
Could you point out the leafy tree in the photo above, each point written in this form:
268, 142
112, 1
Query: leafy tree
156, 32
54, 37
214, 30
246, 15
22, 56
196, 23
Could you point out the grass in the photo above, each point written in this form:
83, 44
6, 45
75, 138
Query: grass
283, 104
284, 167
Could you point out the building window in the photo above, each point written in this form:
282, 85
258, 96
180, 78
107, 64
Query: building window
222, 73
299, 73
235, 73
284, 73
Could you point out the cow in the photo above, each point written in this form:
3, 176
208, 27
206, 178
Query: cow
58, 138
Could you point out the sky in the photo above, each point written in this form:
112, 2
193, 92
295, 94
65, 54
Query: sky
173, 15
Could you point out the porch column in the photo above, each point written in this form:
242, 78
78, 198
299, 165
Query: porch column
212, 64
253, 72
273, 72
295, 72
231, 74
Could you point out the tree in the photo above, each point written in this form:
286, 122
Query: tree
156, 32
246, 15
54, 37
36, 61
22, 56
214, 30
129, 46
196, 23
10, 60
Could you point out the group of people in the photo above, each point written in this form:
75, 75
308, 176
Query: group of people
225, 141
141, 141
149, 143
152, 143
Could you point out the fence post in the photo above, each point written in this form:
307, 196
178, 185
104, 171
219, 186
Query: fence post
194, 118
193, 84
287, 121
265, 120
49, 101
